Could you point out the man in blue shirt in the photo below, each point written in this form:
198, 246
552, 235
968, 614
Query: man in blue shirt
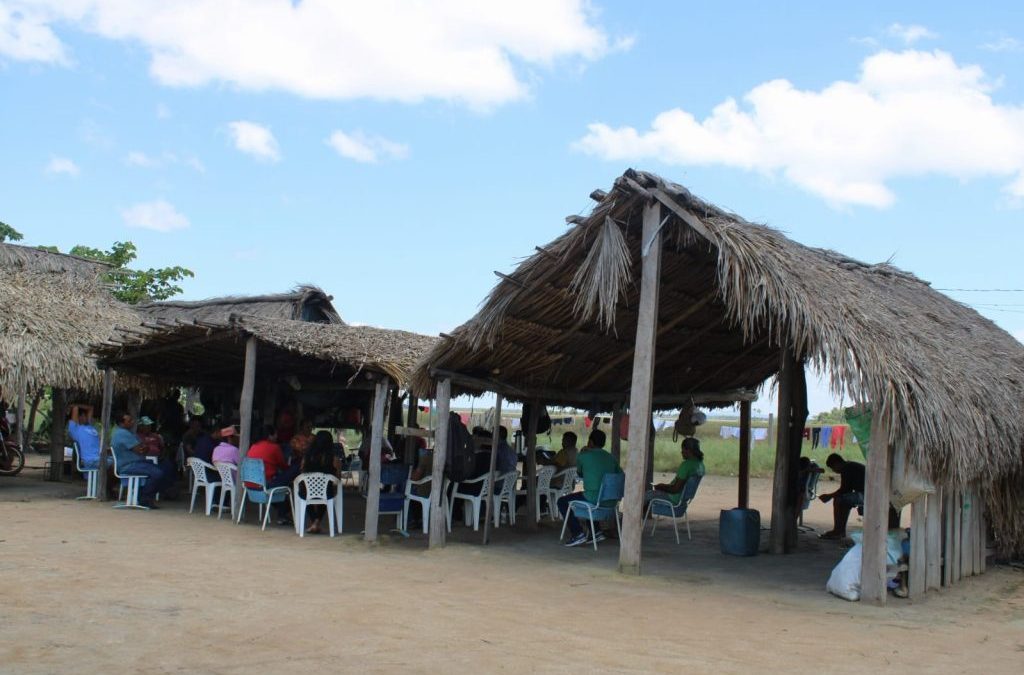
128, 450
82, 431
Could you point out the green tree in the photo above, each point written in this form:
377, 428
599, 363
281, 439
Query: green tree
132, 285
8, 233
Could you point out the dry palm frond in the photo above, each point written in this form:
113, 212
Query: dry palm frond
605, 272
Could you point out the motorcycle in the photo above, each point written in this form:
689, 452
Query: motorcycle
12, 458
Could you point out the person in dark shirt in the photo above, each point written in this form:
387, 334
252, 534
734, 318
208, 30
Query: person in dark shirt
849, 495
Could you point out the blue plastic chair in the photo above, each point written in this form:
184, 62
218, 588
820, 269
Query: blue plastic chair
613, 486
663, 508
252, 473
392, 496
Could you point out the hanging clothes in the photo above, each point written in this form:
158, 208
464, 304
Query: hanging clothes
807, 433
759, 434
838, 437
815, 437
826, 436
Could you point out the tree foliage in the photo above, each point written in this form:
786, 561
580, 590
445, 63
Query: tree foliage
8, 233
132, 285
834, 416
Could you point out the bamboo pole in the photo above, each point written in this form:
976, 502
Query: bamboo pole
441, 406
245, 413
532, 514
780, 479
743, 499
377, 422
489, 497
918, 546
876, 511
933, 542
641, 389
105, 412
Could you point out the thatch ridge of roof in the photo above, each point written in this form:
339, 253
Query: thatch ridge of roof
951, 379
47, 323
286, 305
39, 260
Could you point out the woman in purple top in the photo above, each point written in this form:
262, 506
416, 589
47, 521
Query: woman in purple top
227, 451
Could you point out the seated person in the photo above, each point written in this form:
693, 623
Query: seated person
565, 457
387, 453
82, 431
320, 458
277, 471
302, 439
227, 450
692, 465
506, 459
593, 462
201, 443
153, 442
849, 494
130, 453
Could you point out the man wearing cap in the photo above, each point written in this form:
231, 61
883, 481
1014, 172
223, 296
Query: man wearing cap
130, 454
153, 442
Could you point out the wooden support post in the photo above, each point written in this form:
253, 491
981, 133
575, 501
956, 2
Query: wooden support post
966, 547
918, 546
411, 419
23, 437
933, 542
982, 562
947, 537
377, 422
616, 440
495, 439
780, 479
105, 412
640, 396
58, 427
957, 524
771, 428
245, 410
876, 510
532, 515
438, 517
134, 407
744, 471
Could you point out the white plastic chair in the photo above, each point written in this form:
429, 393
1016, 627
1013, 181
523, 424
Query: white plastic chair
227, 472
505, 493
544, 474
474, 500
568, 486
316, 493
91, 475
423, 501
200, 479
133, 481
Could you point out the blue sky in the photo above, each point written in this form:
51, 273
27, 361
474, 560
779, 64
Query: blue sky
395, 155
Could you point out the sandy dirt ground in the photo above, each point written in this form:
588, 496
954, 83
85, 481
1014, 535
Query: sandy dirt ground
91, 589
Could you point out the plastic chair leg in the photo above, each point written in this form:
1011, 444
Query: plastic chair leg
266, 517
339, 512
686, 517
675, 526
220, 502
565, 523
299, 516
209, 500
593, 531
330, 517
405, 516
192, 506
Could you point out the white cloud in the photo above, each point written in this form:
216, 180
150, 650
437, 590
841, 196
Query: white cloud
141, 159
158, 216
911, 113
254, 139
365, 148
62, 166
910, 34
1003, 44
478, 53
26, 36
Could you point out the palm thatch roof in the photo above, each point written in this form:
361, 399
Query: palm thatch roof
197, 352
38, 260
304, 303
48, 319
733, 293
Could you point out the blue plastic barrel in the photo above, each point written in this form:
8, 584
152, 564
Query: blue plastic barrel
739, 531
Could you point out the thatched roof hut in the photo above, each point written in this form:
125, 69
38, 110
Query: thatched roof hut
52, 307
304, 303
204, 352
561, 327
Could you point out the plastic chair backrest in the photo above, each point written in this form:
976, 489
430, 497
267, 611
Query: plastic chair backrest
568, 479
227, 474
690, 489
78, 457
613, 487
113, 457
508, 483
544, 476
253, 473
393, 474
199, 468
316, 485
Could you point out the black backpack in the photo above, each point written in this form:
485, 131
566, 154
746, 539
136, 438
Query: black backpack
459, 463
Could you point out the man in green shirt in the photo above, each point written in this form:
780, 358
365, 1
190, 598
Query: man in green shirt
593, 462
693, 465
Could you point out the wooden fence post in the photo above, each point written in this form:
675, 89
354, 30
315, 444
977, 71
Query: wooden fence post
641, 389
438, 515
376, 441
876, 510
